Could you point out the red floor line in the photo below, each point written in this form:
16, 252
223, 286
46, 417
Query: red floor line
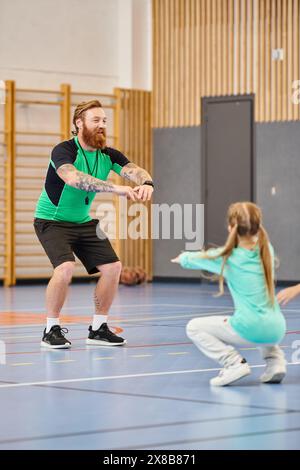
93, 348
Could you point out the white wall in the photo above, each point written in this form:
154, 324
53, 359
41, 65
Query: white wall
91, 44
142, 44
125, 43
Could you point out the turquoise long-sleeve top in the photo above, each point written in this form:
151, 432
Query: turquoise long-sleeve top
254, 318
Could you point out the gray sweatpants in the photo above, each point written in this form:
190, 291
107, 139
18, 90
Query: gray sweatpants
215, 337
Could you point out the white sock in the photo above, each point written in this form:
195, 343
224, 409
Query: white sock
98, 320
51, 322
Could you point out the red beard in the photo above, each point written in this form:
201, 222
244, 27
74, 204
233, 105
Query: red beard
94, 139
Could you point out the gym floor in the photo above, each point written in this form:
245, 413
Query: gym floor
153, 393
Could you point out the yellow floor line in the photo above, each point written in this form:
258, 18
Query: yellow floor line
177, 353
100, 358
65, 360
142, 355
22, 364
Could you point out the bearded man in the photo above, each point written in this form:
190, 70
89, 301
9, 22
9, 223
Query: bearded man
79, 169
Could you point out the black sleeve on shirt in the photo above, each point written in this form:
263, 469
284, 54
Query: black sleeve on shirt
63, 153
116, 156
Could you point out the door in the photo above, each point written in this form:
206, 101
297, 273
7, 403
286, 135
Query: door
228, 159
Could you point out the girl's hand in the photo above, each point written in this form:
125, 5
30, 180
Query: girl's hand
176, 260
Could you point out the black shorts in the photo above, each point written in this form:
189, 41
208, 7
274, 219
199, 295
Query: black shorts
61, 240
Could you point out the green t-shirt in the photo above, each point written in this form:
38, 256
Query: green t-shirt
59, 201
254, 318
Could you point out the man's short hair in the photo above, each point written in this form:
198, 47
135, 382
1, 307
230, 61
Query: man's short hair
80, 110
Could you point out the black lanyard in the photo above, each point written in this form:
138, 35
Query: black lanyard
90, 172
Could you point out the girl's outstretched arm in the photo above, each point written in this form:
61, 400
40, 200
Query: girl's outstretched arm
199, 260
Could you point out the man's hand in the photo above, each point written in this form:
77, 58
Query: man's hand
176, 260
143, 192
285, 295
125, 191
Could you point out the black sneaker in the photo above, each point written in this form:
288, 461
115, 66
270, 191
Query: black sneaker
104, 337
55, 338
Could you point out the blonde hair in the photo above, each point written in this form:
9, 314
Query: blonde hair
81, 109
245, 219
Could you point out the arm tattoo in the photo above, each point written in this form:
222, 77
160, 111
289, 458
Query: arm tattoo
90, 184
83, 181
134, 173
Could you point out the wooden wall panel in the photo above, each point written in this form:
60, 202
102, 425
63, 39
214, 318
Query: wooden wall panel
8, 190
33, 147
223, 47
6, 122
135, 141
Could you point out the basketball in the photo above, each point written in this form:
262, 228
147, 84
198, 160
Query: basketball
141, 275
128, 277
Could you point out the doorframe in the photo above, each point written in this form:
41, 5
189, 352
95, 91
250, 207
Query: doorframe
205, 101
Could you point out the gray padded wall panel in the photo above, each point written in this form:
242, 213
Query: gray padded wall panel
177, 175
278, 165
